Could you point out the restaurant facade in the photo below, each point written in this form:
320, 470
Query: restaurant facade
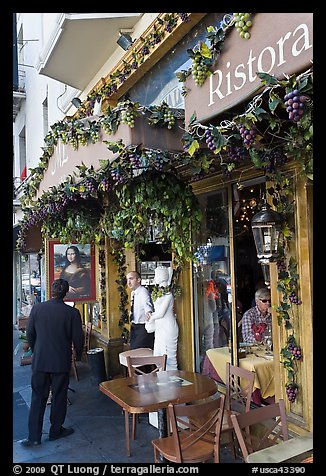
140, 191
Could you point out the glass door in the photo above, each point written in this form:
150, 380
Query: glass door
211, 277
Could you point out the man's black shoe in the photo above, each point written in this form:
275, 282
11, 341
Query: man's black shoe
28, 443
63, 432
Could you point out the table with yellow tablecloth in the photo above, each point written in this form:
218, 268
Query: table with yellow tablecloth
259, 362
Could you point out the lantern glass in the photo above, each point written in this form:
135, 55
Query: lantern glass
266, 272
266, 227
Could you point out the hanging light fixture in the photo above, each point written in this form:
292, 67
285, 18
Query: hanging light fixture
266, 229
76, 102
124, 41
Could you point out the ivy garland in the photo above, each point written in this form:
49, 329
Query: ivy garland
140, 180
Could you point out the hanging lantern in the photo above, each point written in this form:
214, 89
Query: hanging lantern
266, 228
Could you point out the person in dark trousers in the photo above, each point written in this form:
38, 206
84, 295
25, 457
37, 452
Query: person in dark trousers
141, 304
52, 329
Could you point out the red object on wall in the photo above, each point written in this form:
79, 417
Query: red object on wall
23, 174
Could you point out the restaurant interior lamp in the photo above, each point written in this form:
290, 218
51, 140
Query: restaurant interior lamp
266, 229
124, 40
76, 102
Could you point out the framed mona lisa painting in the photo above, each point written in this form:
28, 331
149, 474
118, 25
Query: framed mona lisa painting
75, 263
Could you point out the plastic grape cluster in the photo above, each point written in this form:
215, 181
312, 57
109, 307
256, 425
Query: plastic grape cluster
294, 299
276, 158
184, 17
200, 70
295, 351
248, 135
209, 140
105, 184
169, 119
128, 117
291, 391
295, 105
134, 160
242, 24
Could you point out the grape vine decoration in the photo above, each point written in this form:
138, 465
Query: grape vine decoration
295, 104
290, 355
243, 23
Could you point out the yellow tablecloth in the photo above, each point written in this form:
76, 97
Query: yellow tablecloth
263, 367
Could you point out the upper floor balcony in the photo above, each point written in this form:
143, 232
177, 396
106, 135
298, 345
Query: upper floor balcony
19, 94
80, 44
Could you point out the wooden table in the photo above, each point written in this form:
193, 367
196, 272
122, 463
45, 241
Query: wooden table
259, 362
284, 451
153, 392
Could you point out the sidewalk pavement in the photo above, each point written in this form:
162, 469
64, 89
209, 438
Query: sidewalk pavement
98, 422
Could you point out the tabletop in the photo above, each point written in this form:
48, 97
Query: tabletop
151, 392
139, 352
283, 451
259, 362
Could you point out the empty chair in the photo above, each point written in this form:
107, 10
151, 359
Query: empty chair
239, 389
260, 427
135, 367
189, 444
135, 364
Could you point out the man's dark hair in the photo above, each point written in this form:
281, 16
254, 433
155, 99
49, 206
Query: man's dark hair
59, 288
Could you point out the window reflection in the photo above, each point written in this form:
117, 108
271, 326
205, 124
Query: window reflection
212, 280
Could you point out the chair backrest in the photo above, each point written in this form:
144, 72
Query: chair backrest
88, 335
239, 388
186, 436
260, 428
135, 364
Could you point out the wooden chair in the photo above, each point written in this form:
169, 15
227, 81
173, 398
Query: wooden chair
189, 444
135, 366
87, 343
237, 398
260, 428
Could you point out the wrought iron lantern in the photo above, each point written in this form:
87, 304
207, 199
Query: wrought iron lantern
266, 229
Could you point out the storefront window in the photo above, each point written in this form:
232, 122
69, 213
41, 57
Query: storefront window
215, 323
30, 277
211, 277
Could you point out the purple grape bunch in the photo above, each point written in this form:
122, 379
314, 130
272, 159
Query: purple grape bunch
209, 140
248, 134
184, 17
294, 299
235, 154
295, 104
281, 266
276, 158
134, 160
295, 351
292, 391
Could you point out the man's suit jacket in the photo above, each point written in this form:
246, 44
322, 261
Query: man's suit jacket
53, 327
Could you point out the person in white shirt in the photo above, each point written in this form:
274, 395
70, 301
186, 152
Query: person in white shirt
141, 304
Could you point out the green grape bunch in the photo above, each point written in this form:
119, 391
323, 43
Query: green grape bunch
128, 117
242, 24
202, 60
200, 70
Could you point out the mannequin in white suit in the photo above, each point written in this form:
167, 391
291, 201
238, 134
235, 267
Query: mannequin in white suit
166, 326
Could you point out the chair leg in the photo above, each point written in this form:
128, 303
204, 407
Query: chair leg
127, 432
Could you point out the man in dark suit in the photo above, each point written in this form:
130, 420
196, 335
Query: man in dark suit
53, 327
